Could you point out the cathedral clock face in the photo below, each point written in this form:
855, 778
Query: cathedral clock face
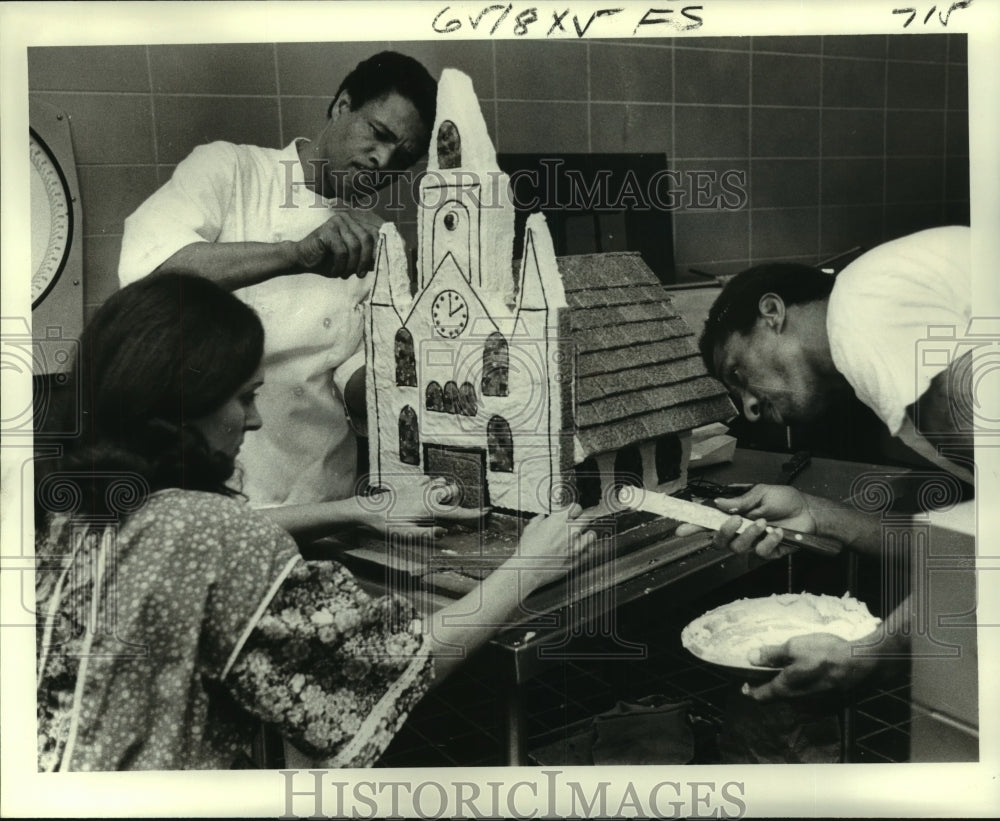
51, 221
450, 314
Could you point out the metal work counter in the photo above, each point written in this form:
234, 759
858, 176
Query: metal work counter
680, 569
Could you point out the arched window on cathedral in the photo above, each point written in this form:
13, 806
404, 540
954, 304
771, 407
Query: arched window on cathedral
628, 467
435, 397
451, 400
449, 146
588, 482
668, 458
406, 363
500, 445
496, 365
409, 437
467, 399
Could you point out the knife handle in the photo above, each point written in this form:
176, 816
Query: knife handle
810, 541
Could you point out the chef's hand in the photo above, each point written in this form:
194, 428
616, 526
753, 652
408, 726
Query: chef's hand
414, 507
342, 246
811, 664
775, 505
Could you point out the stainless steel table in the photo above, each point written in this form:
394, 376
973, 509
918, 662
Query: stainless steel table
686, 567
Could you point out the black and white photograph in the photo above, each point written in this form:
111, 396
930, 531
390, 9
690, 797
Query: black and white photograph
500, 410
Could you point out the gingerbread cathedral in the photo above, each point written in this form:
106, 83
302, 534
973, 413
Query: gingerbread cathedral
531, 382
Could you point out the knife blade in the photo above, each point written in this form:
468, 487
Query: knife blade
798, 462
637, 498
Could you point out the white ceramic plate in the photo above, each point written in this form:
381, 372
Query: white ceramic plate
726, 636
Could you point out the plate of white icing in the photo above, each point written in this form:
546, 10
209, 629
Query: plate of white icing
730, 635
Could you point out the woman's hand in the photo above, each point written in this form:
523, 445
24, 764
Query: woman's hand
549, 545
547, 548
775, 505
812, 664
414, 508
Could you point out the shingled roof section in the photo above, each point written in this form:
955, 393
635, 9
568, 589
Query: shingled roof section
638, 371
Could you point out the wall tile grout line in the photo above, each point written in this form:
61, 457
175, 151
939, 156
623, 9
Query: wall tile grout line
764, 209
152, 107
277, 85
227, 95
805, 157
944, 141
750, 256
484, 99
672, 159
885, 139
590, 115
819, 162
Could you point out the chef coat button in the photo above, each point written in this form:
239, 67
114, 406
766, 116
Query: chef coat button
326, 322
297, 390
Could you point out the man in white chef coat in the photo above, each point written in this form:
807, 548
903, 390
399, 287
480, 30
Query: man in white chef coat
786, 338
276, 226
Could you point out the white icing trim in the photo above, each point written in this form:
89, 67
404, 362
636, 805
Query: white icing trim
252, 623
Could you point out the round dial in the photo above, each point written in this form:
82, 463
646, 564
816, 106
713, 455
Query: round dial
51, 220
449, 313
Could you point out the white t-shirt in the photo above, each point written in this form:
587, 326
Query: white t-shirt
313, 325
888, 321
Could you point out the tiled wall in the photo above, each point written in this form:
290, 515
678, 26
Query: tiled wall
845, 140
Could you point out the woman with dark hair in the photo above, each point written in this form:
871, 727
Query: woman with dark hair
158, 360
171, 613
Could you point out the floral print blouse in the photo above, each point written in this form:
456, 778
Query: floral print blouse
160, 640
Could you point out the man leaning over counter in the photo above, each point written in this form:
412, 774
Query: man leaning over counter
785, 339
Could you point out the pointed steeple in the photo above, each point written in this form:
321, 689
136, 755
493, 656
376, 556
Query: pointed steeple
541, 285
466, 205
392, 282
459, 138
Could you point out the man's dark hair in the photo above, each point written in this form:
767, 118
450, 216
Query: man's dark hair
736, 309
387, 72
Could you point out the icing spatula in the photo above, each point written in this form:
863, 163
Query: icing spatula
637, 498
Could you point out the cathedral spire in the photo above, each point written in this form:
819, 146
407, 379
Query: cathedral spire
392, 281
540, 283
466, 207
460, 138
